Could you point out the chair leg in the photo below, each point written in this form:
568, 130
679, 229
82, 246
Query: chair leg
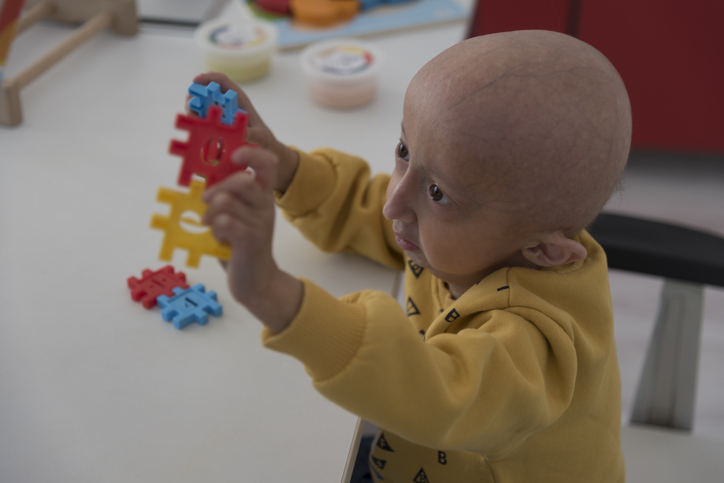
667, 387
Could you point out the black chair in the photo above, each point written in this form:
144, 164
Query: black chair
688, 260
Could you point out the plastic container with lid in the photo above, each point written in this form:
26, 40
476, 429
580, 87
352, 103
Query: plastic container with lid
239, 48
342, 73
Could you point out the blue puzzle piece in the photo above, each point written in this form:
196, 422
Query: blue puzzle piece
205, 96
189, 305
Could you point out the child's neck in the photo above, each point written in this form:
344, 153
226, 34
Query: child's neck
461, 285
456, 291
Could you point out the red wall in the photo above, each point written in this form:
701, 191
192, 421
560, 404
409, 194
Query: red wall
670, 54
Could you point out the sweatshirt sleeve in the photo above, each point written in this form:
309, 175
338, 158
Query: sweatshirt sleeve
334, 203
484, 389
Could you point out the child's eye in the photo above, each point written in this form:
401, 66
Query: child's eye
402, 150
437, 196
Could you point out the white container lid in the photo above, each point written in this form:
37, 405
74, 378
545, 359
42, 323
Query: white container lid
234, 38
341, 60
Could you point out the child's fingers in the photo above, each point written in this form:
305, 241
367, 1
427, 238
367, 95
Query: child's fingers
261, 161
238, 225
244, 190
224, 82
240, 199
229, 230
263, 164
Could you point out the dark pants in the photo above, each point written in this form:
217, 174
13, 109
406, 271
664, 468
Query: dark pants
361, 473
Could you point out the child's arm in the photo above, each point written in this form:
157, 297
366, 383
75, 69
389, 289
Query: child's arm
335, 202
241, 213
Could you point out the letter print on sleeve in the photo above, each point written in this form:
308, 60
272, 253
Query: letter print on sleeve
452, 316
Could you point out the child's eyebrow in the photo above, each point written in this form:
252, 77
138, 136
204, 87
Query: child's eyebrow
402, 126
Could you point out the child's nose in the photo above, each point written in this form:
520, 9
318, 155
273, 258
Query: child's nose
399, 203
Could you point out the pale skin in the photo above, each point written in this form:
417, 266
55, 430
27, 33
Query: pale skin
498, 166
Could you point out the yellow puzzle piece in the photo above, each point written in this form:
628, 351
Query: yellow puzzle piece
183, 225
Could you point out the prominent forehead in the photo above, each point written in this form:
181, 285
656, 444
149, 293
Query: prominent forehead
507, 99
511, 73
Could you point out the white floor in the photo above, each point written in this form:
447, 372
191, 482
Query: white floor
689, 191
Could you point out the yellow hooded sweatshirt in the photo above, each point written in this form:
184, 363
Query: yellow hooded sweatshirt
515, 381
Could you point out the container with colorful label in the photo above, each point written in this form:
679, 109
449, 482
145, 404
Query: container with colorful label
239, 48
342, 73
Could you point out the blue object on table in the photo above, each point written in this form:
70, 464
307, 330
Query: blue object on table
205, 96
367, 4
373, 21
189, 305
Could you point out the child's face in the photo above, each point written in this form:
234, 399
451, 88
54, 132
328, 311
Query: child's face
448, 215
506, 139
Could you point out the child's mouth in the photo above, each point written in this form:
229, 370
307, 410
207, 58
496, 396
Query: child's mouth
406, 245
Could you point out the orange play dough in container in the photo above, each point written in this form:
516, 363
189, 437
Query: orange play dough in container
342, 73
323, 13
239, 48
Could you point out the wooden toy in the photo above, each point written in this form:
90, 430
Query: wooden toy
9, 15
95, 16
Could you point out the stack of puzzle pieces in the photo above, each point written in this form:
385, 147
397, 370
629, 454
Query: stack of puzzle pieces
218, 131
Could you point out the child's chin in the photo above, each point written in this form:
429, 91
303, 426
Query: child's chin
417, 257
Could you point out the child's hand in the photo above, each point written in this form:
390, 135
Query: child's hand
241, 213
257, 132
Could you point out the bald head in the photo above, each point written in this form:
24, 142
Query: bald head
539, 121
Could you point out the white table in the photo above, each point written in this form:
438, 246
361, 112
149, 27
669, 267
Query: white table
93, 387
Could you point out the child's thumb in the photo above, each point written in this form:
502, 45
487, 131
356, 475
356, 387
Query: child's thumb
261, 161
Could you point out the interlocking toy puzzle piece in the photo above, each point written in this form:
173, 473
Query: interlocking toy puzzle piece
153, 284
189, 305
205, 96
208, 150
187, 210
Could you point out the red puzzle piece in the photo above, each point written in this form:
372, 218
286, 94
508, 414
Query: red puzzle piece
280, 7
154, 284
211, 142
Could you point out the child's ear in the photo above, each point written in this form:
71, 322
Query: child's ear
554, 249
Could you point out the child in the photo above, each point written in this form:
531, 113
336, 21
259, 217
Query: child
503, 366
